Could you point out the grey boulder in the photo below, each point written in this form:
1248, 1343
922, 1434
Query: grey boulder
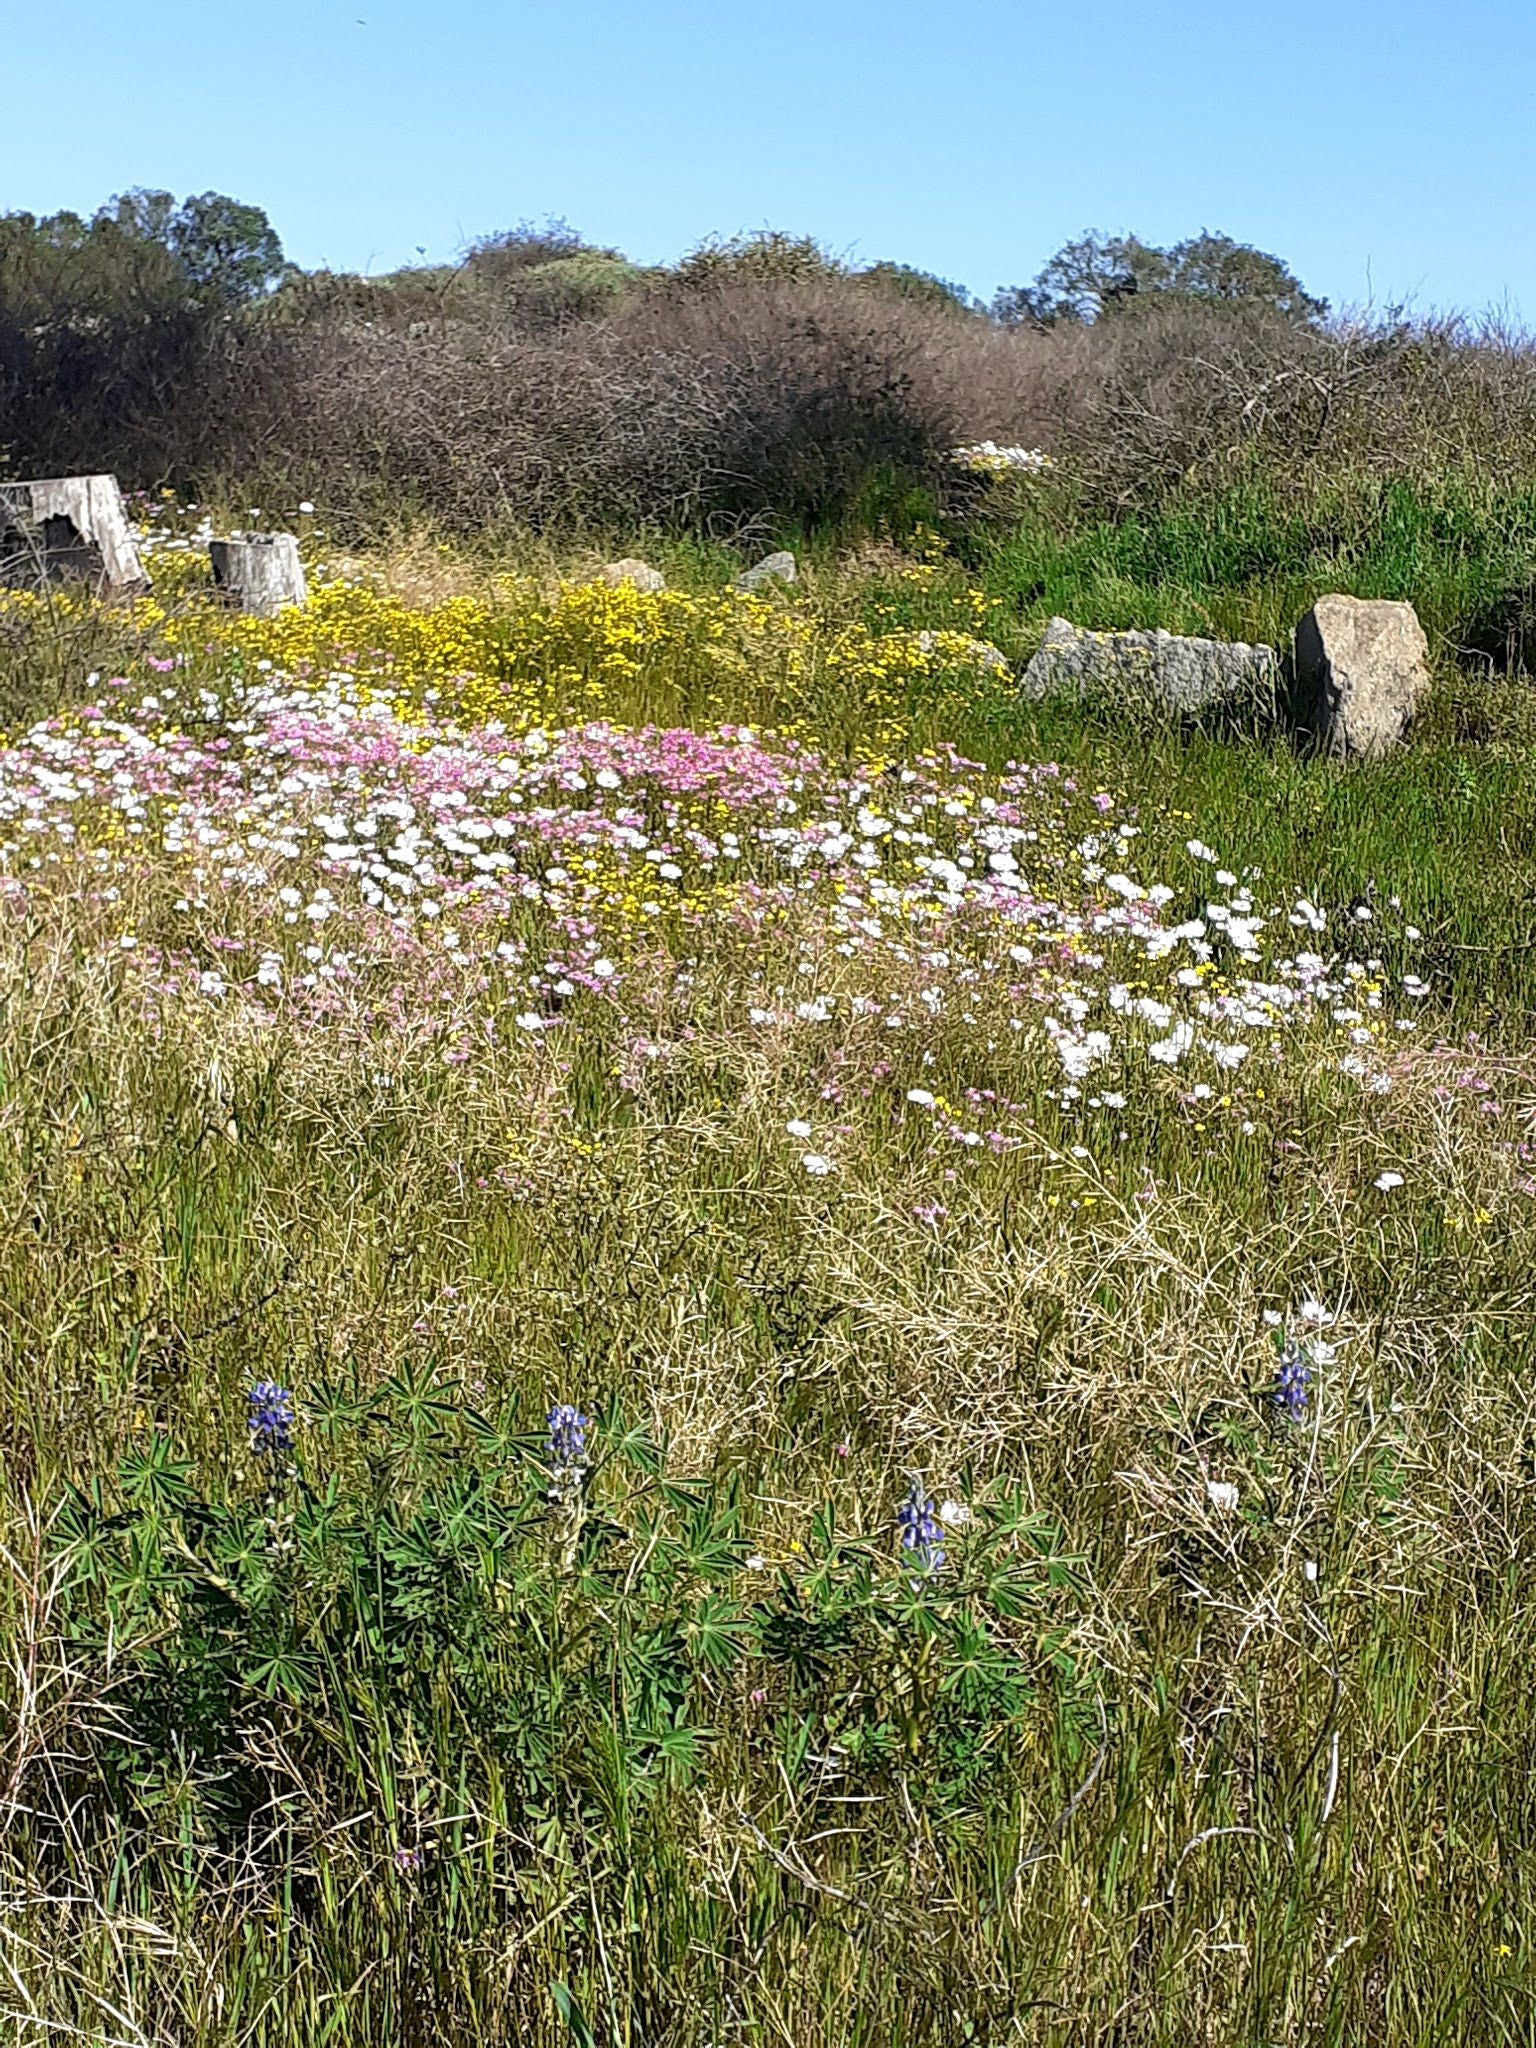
1361, 673
639, 575
779, 568
1164, 669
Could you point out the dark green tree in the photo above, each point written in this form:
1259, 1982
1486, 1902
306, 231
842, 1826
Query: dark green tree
1101, 274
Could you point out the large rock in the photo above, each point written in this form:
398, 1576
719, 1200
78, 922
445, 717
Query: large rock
779, 568
639, 575
1361, 673
68, 526
1173, 673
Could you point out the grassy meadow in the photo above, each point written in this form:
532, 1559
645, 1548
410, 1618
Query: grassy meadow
714, 1337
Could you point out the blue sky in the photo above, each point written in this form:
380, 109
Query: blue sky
1386, 151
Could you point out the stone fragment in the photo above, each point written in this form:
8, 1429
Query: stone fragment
68, 526
982, 652
259, 572
1361, 674
639, 575
779, 568
1165, 669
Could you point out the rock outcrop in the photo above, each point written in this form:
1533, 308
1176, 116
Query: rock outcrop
639, 575
779, 568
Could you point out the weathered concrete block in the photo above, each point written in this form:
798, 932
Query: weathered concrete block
259, 572
68, 526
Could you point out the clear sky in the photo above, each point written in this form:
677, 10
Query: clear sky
1384, 148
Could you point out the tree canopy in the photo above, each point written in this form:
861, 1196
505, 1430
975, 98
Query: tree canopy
1098, 274
143, 251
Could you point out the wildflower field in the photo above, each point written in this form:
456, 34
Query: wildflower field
713, 1337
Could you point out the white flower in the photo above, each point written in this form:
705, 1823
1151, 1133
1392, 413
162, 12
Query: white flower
798, 1128
1313, 1312
817, 1164
1169, 1051
529, 1020
1222, 1493
1387, 1181
921, 1097
954, 1514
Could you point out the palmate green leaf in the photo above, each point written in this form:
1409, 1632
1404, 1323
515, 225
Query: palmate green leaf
287, 1674
719, 1633
331, 1410
418, 1399
677, 1748
503, 1445
1011, 1593
635, 1446
154, 1477
85, 1532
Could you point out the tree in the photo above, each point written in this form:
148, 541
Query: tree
228, 251
140, 253
1102, 274
904, 281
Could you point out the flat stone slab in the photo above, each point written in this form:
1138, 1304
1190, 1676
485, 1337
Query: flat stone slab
1173, 672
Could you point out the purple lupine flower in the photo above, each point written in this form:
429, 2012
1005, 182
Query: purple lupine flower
270, 1417
921, 1533
567, 1451
1293, 1382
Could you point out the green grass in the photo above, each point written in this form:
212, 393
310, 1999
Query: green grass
1192, 1794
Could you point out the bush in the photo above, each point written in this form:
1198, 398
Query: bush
759, 385
750, 406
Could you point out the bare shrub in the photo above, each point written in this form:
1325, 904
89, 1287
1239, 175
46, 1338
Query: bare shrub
755, 388
750, 404
1190, 393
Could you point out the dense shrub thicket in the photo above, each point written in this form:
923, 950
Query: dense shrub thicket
757, 383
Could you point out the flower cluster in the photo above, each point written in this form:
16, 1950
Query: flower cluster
566, 1451
270, 1419
1293, 1382
988, 457
922, 1533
